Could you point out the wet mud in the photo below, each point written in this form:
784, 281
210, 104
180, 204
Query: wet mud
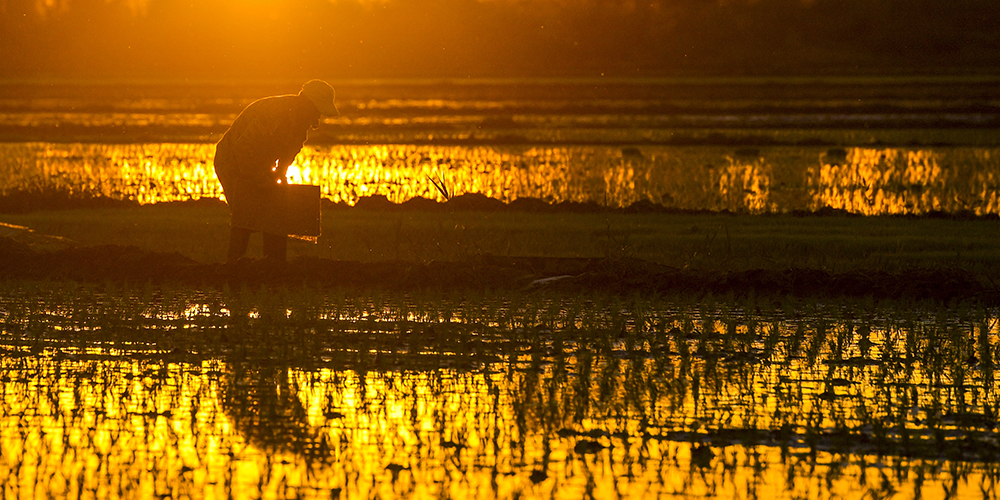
624, 276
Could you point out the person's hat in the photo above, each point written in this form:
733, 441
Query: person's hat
322, 95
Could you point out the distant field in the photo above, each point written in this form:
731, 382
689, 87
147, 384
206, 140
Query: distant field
890, 110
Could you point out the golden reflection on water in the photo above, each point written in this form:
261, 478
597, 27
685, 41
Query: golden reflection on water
148, 173
144, 395
116, 428
120, 119
873, 181
861, 180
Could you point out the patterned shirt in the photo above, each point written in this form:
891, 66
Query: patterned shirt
261, 143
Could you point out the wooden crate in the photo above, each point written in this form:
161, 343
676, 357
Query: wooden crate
292, 209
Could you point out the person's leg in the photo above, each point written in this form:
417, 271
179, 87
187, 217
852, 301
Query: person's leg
239, 239
275, 247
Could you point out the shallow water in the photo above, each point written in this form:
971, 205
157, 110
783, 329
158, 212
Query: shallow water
865, 180
154, 392
869, 146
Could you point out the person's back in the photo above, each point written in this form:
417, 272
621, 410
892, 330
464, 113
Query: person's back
261, 136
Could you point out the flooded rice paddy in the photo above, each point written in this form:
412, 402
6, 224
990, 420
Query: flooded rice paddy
109, 391
868, 146
864, 180
115, 392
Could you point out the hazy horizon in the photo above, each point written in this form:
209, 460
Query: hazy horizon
282, 40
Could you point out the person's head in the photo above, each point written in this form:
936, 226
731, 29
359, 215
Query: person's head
322, 95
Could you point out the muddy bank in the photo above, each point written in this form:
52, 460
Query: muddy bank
19, 202
132, 265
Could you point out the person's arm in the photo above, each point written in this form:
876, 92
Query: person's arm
292, 143
283, 163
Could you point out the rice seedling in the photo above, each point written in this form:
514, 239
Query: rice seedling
301, 391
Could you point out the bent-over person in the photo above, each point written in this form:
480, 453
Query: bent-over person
253, 156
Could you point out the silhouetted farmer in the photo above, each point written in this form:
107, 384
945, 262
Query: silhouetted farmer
253, 156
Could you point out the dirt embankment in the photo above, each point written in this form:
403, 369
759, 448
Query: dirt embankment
25, 202
133, 265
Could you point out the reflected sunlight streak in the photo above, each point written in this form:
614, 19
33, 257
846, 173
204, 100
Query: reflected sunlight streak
867, 181
480, 397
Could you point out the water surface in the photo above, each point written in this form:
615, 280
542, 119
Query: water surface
868, 146
865, 180
119, 393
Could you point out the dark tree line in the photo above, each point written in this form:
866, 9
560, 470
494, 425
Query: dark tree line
457, 38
